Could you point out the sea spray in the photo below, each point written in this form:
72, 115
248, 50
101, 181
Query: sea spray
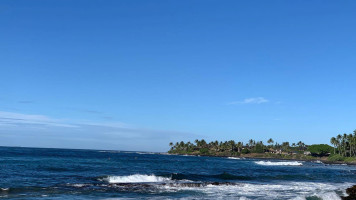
233, 158
269, 163
136, 178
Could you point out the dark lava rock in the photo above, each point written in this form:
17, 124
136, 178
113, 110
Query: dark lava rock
351, 192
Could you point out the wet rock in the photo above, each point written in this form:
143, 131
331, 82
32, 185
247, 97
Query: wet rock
351, 192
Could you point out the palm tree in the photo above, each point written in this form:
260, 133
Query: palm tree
299, 144
250, 143
333, 141
203, 143
350, 143
344, 144
197, 143
339, 140
171, 145
354, 142
239, 146
232, 145
270, 142
285, 146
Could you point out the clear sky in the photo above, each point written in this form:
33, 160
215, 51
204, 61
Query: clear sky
135, 75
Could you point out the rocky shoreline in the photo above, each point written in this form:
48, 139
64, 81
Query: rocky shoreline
351, 193
266, 157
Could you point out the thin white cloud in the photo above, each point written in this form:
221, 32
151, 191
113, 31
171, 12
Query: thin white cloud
255, 100
17, 127
18, 119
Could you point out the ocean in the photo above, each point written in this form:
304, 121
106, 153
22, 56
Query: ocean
40, 173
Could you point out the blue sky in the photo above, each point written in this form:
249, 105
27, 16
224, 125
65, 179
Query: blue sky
135, 75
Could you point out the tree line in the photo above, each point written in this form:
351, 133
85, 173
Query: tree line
344, 147
344, 144
232, 147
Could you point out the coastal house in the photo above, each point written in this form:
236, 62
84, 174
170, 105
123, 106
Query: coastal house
274, 151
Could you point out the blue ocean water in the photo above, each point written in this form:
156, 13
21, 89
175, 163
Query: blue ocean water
36, 173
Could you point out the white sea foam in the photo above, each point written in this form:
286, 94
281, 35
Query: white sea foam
235, 158
283, 190
243, 198
246, 191
298, 198
80, 185
269, 163
318, 161
136, 178
329, 196
143, 153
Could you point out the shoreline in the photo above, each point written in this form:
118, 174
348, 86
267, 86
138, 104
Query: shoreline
266, 157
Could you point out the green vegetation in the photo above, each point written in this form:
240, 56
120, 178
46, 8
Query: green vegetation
336, 158
345, 145
344, 149
232, 148
320, 150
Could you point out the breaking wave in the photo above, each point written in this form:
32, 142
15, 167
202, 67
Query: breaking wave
286, 190
136, 178
269, 163
235, 158
212, 190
